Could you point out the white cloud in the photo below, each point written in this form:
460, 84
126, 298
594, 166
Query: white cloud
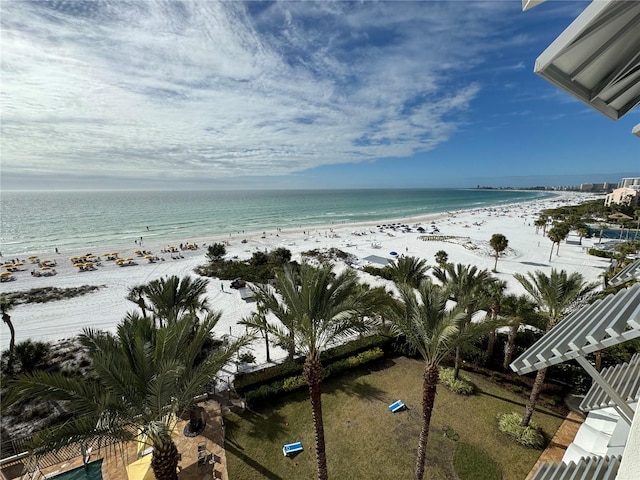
160, 89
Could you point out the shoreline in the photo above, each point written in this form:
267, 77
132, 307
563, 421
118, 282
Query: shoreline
473, 228
199, 229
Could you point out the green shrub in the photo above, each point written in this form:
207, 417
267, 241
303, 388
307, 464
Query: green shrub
601, 253
247, 357
530, 436
472, 463
295, 382
460, 385
353, 362
251, 380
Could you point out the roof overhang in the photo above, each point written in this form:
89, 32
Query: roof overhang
597, 58
636, 130
528, 4
601, 324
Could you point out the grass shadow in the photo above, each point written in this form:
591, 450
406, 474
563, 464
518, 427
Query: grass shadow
551, 413
267, 426
258, 467
351, 384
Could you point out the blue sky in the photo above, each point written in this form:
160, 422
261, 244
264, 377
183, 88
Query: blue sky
203, 94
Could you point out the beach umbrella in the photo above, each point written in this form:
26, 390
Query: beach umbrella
393, 253
141, 469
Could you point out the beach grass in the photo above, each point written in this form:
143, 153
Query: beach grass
365, 440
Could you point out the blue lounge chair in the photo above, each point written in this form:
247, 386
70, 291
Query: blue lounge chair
396, 406
291, 448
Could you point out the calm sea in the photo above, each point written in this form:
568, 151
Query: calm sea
37, 222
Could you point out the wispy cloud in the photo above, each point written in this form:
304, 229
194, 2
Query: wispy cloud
167, 89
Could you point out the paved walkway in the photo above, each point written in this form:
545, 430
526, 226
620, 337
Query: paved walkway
560, 441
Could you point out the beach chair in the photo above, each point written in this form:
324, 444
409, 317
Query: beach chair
203, 455
291, 448
396, 406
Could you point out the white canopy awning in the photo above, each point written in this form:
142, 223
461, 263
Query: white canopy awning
606, 322
597, 58
528, 4
624, 378
630, 272
588, 468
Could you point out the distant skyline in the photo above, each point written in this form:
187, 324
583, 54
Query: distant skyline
164, 94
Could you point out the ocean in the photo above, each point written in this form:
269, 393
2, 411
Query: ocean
37, 222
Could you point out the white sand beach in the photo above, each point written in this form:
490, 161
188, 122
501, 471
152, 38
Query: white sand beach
105, 308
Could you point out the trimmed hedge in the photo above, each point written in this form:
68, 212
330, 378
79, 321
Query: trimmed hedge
251, 380
601, 253
530, 436
459, 385
297, 382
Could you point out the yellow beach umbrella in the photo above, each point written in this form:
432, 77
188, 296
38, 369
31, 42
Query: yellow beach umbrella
141, 469
5, 274
32, 257
45, 268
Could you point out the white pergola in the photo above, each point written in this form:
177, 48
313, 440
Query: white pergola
588, 468
604, 323
628, 273
597, 58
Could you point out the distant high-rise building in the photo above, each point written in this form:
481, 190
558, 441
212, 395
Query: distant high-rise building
629, 182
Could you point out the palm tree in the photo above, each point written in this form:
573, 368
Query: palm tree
602, 228
466, 285
555, 295
427, 327
136, 295
494, 292
582, 232
317, 309
258, 321
539, 223
441, 258
142, 377
556, 235
6, 305
544, 219
636, 212
499, 243
410, 270
518, 310
170, 298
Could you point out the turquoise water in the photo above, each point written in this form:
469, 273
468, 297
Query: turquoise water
37, 222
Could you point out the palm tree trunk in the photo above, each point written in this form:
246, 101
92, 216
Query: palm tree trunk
533, 398
7, 319
491, 343
458, 361
292, 346
551, 254
313, 375
495, 265
266, 344
429, 385
598, 365
508, 349
165, 461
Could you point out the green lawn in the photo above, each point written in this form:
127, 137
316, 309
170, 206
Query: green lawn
366, 441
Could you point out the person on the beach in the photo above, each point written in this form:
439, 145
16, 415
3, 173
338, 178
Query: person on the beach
221, 286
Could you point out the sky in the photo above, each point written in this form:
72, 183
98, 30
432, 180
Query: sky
168, 94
